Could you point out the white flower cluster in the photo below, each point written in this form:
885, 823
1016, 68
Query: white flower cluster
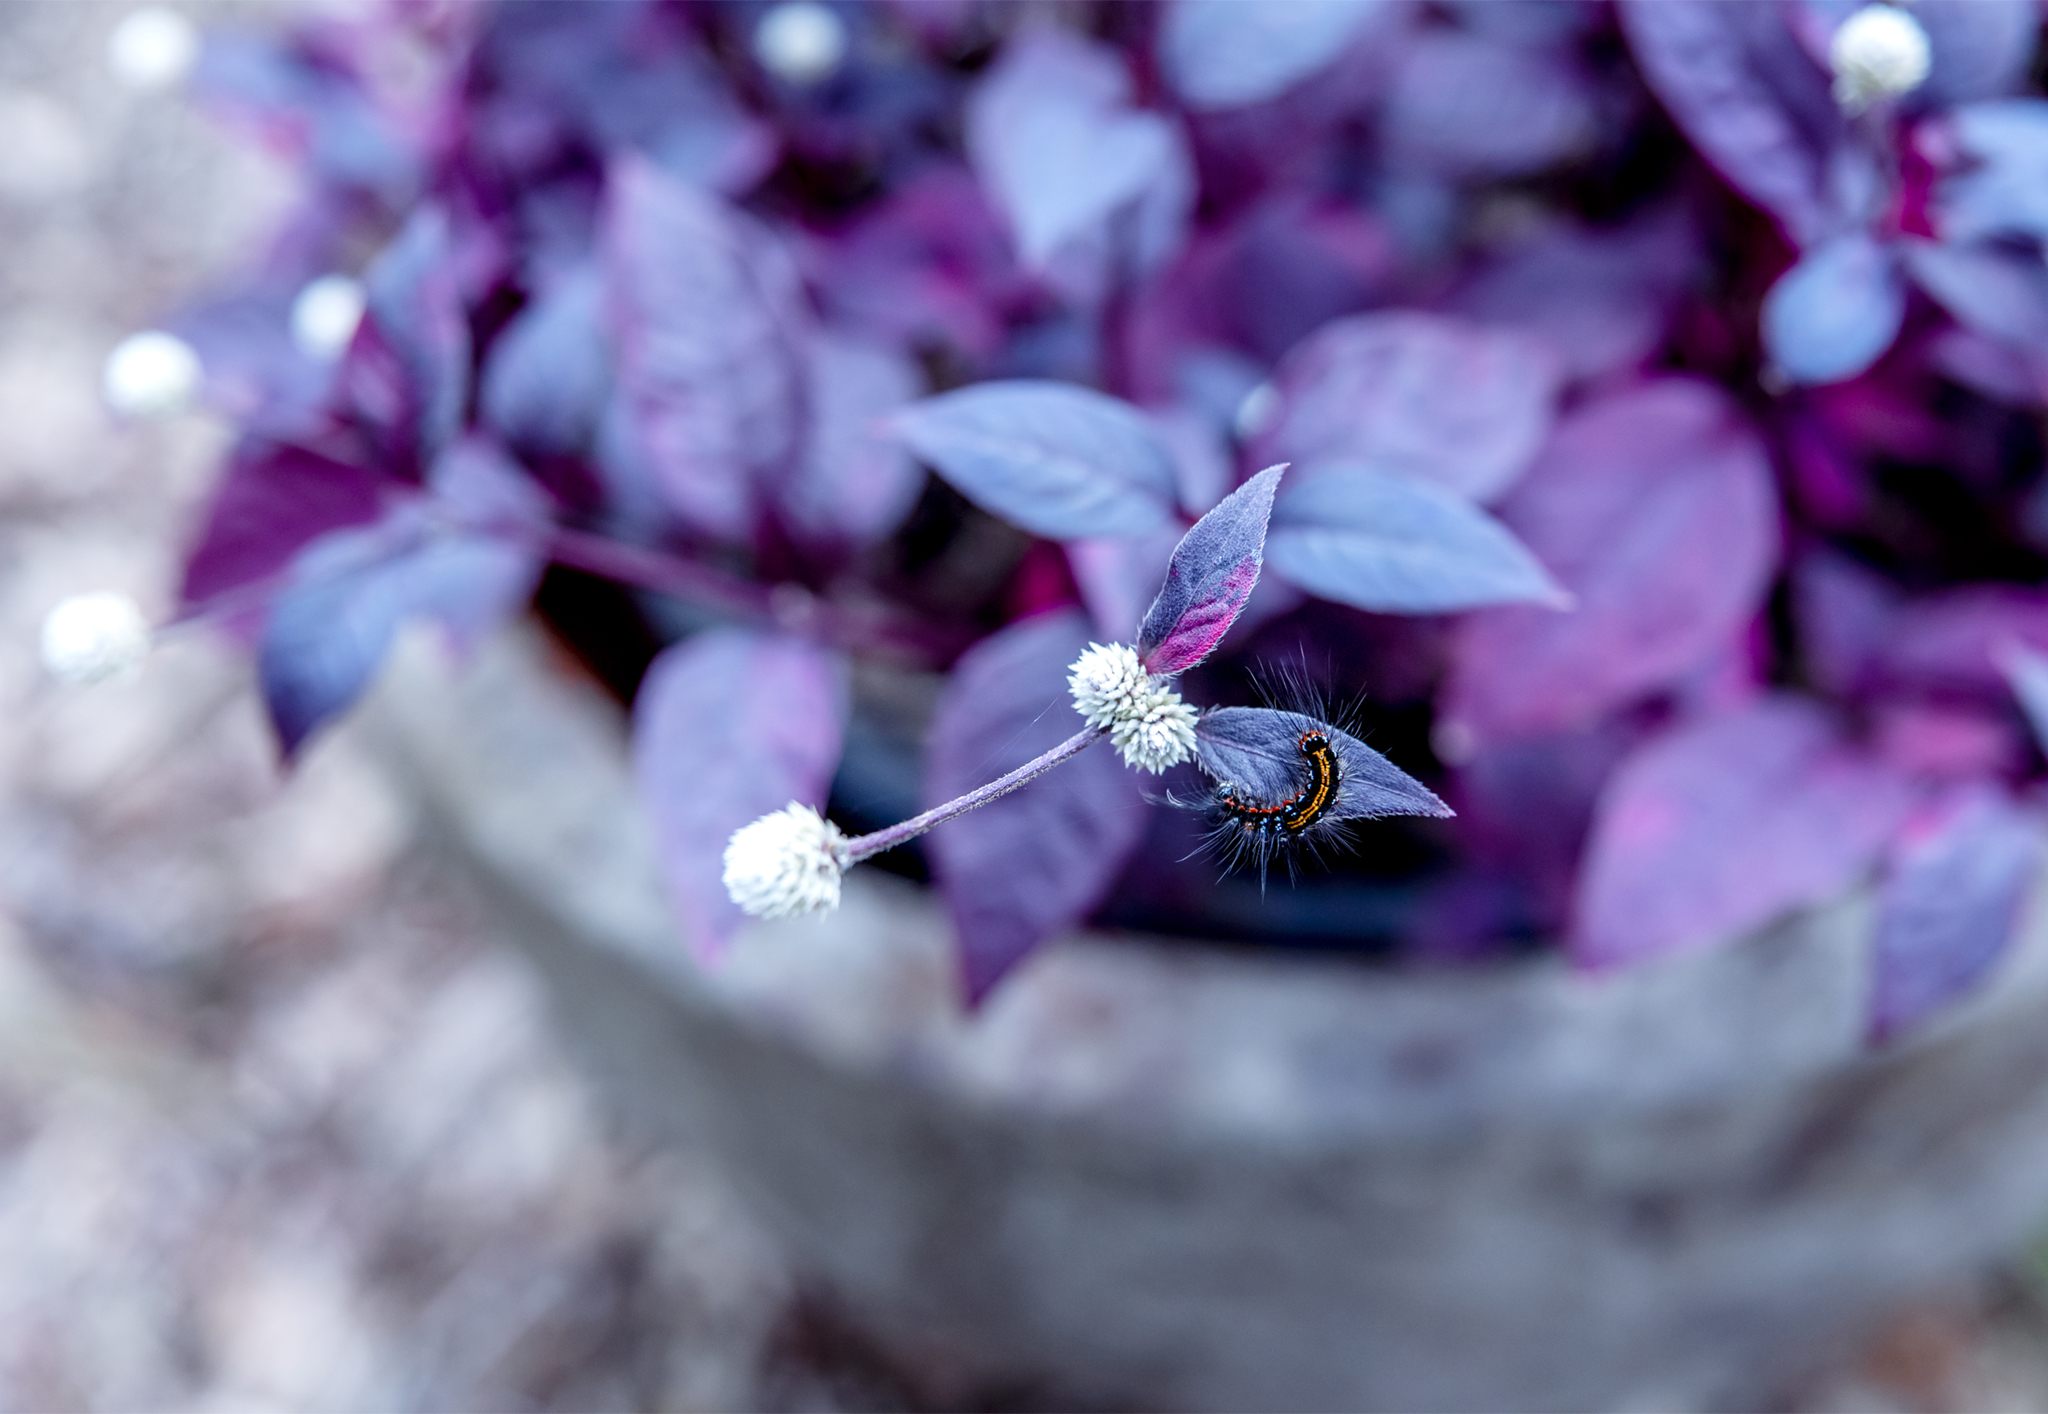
1144, 716
325, 315
89, 638
1878, 52
786, 863
152, 374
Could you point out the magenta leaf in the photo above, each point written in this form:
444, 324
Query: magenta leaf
854, 481
1225, 54
1060, 151
1395, 546
1208, 579
1257, 750
1721, 825
1997, 293
1471, 105
729, 725
1054, 459
1947, 911
1426, 396
1750, 98
273, 500
708, 316
351, 591
1834, 313
1037, 861
405, 378
548, 375
1655, 509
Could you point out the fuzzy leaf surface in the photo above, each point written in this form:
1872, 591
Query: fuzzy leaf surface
729, 725
1052, 458
1390, 545
1258, 750
1721, 825
1833, 314
1427, 396
1946, 914
1210, 575
1036, 861
1655, 509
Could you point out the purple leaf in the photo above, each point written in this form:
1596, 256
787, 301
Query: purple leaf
1834, 313
707, 313
1722, 825
2027, 671
1419, 395
476, 485
854, 482
1997, 293
255, 371
729, 725
1947, 911
1227, 54
1656, 510
1258, 751
1395, 546
1060, 151
1845, 613
1054, 459
1751, 100
1980, 48
272, 501
317, 108
2004, 191
548, 375
1037, 861
351, 590
1952, 643
1119, 576
1210, 576
1464, 105
405, 378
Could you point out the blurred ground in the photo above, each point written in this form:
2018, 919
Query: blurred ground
279, 1126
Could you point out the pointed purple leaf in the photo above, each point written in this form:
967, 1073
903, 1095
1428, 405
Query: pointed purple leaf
2003, 191
405, 378
478, 486
1947, 912
1469, 105
1037, 861
1834, 313
548, 376
1722, 825
352, 590
708, 316
1394, 546
1997, 293
728, 726
1054, 459
1226, 54
1756, 106
1980, 48
1655, 508
1258, 751
1426, 396
854, 482
273, 500
1210, 576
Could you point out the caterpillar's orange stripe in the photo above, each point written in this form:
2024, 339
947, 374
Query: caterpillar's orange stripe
1299, 812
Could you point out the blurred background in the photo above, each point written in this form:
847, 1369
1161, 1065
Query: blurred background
280, 1125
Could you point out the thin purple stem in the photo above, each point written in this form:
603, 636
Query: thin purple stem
866, 846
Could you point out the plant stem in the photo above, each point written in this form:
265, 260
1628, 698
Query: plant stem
866, 846
651, 569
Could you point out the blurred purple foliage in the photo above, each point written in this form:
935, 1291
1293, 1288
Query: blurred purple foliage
1667, 457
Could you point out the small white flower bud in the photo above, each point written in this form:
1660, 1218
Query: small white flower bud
89, 638
800, 42
325, 316
786, 863
1146, 720
152, 49
152, 374
1878, 52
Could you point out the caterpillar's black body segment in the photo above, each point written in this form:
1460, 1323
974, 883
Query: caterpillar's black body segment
1298, 812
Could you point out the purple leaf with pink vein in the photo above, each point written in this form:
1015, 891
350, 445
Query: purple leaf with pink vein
707, 312
1655, 509
1210, 576
729, 725
1038, 860
1947, 913
1427, 396
1722, 825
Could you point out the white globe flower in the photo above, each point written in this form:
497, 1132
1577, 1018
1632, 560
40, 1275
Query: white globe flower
1146, 720
800, 42
325, 316
151, 374
1878, 52
786, 863
152, 49
92, 637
